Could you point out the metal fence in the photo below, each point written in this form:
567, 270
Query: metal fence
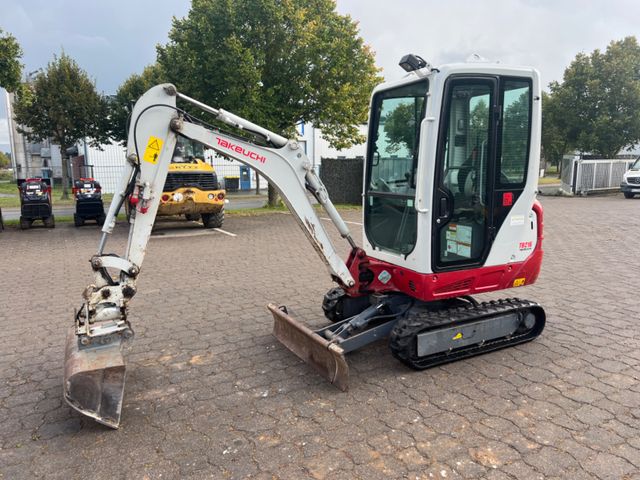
579, 176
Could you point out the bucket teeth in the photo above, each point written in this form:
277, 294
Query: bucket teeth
325, 357
94, 380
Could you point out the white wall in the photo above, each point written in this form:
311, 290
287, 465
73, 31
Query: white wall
108, 163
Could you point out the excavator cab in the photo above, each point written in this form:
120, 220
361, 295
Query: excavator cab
449, 212
473, 168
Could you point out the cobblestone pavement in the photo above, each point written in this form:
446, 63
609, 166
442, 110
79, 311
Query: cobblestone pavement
210, 394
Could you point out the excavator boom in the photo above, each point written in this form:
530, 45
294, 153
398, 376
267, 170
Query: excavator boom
95, 370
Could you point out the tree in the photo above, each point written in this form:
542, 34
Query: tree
597, 103
400, 126
128, 93
62, 104
555, 138
479, 121
275, 62
515, 139
10, 66
5, 160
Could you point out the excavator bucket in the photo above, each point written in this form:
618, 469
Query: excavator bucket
324, 356
94, 380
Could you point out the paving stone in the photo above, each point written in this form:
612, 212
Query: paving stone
606, 466
210, 394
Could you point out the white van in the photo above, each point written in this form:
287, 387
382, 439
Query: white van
631, 180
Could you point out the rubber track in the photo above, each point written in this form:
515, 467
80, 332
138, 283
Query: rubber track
403, 337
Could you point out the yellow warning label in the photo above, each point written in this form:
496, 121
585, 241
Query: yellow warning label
458, 336
152, 152
518, 282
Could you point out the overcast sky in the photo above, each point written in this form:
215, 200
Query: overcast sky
115, 38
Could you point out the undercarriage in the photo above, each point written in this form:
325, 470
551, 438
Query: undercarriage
420, 334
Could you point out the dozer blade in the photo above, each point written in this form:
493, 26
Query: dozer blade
94, 380
326, 357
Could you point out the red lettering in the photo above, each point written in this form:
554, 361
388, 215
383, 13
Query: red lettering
238, 149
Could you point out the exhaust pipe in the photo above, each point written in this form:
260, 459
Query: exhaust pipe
94, 379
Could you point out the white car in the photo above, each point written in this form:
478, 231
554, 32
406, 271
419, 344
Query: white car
631, 180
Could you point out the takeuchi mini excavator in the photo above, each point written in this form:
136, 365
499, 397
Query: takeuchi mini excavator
449, 211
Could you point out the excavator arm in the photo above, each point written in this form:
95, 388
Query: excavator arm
94, 364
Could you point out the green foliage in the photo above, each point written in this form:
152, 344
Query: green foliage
515, 125
401, 127
275, 62
128, 93
396, 127
555, 139
597, 104
10, 66
479, 122
5, 161
62, 104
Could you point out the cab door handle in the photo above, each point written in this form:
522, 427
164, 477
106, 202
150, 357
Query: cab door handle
444, 207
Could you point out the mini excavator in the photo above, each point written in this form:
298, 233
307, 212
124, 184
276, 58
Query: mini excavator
449, 211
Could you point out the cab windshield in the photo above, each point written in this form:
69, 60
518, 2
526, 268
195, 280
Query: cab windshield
187, 151
636, 164
392, 162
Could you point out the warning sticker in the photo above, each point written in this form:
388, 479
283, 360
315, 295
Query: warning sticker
464, 250
384, 276
517, 220
459, 239
152, 152
464, 234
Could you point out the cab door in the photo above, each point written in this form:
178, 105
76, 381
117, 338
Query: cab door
465, 162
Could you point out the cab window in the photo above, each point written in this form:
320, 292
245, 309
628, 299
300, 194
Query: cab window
397, 114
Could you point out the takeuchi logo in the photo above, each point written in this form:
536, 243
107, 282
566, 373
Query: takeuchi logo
238, 149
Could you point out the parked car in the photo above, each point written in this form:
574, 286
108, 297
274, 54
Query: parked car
630, 185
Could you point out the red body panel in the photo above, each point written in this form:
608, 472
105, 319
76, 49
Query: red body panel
437, 286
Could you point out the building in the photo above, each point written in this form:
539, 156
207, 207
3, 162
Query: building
30, 159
